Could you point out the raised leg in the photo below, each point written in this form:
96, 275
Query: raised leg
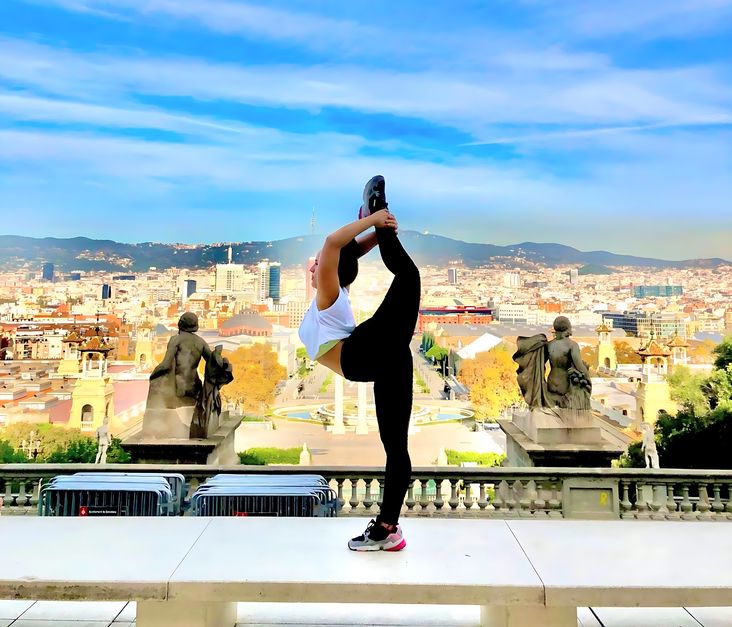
185, 614
504, 616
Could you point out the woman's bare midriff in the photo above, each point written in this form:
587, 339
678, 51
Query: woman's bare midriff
332, 359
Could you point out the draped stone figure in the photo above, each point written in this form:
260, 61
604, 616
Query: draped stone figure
177, 399
208, 408
568, 385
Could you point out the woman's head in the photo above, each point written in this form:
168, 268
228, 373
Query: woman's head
347, 265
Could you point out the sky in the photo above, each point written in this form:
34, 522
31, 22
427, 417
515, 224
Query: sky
600, 125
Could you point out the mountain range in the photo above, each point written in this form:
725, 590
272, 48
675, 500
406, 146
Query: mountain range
84, 254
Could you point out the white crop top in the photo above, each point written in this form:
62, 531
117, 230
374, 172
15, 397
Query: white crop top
321, 330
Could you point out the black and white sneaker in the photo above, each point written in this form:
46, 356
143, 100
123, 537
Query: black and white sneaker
374, 196
393, 541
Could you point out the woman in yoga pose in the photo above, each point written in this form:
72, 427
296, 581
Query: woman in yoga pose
376, 350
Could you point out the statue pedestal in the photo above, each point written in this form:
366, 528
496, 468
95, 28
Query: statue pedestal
153, 445
543, 438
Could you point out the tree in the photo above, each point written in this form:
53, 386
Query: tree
686, 389
589, 355
80, 451
718, 387
8, 455
723, 353
51, 437
428, 341
701, 352
58, 445
625, 353
700, 434
256, 374
491, 377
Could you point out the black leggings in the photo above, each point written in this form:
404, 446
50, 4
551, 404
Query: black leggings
378, 350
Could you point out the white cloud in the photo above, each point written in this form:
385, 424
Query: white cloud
645, 19
473, 102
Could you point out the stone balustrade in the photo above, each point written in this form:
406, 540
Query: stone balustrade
603, 493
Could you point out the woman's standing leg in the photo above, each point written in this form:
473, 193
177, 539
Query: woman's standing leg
393, 399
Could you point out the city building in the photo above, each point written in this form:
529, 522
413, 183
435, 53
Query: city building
268, 281
452, 276
189, 289
574, 276
47, 272
657, 291
93, 397
457, 314
273, 289
653, 393
246, 323
230, 277
296, 310
106, 291
512, 279
606, 356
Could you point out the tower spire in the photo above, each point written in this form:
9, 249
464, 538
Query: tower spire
229, 254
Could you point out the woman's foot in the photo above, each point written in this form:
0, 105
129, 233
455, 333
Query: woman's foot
379, 538
374, 196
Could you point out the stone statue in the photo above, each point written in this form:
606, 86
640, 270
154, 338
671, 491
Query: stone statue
103, 442
218, 373
649, 446
568, 385
175, 383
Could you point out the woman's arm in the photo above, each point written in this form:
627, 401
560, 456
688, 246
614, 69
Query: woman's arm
327, 270
367, 242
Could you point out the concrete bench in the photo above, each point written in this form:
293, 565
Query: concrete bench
191, 572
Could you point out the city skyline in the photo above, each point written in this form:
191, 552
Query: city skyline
597, 127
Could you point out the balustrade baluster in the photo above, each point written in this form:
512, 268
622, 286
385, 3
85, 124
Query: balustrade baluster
368, 500
438, 502
728, 506
10, 497
671, 505
410, 502
354, 501
499, 498
512, 496
526, 502
703, 506
659, 509
540, 510
454, 501
24, 495
339, 490
642, 498
625, 505
6, 497
424, 500
717, 505
555, 502
687, 508
482, 500
380, 500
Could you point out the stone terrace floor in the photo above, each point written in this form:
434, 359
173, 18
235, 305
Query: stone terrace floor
120, 614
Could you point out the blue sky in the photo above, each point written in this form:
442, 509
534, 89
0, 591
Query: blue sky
601, 125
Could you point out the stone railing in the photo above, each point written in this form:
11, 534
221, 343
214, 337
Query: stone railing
604, 493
